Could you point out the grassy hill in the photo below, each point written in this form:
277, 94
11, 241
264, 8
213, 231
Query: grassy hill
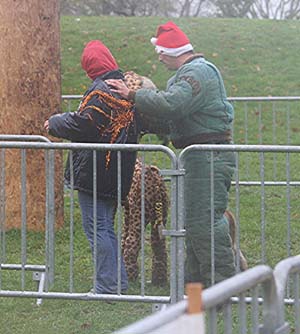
256, 57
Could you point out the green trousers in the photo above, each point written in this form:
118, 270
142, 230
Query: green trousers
201, 195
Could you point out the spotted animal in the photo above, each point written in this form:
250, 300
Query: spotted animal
156, 203
155, 196
134, 82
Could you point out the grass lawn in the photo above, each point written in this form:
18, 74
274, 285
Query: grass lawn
256, 57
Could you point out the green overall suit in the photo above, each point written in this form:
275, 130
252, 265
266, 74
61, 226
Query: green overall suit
195, 107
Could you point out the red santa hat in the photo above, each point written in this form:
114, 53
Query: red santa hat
170, 40
96, 59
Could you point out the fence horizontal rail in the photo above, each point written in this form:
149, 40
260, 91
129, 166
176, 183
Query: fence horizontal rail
153, 147
89, 146
266, 183
31, 267
217, 295
85, 296
231, 98
24, 138
264, 98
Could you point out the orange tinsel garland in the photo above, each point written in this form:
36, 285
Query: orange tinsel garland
121, 114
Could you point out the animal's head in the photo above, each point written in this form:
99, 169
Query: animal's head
135, 81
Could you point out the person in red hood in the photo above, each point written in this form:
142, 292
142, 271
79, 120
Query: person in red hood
97, 60
94, 122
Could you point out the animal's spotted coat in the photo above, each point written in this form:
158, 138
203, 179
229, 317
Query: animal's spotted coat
156, 204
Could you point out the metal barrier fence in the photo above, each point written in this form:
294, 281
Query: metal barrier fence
268, 312
260, 210
266, 230
273, 118
287, 277
70, 274
42, 273
265, 316
265, 121
258, 121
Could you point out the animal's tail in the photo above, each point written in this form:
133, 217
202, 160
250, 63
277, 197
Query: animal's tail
232, 231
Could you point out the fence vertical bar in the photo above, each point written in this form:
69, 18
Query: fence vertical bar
119, 223
288, 124
260, 124
271, 307
227, 316
51, 221
2, 213
288, 203
47, 181
95, 250
177, 216
274, 122
23, 217
246, 138
297, 302
212, 216
143, 226
237, 211
242, 313
263, 223
71, 274
213, 328
255, 311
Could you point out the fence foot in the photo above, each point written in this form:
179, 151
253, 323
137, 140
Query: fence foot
40, 278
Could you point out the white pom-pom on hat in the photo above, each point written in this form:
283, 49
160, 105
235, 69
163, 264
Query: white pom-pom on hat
153, 40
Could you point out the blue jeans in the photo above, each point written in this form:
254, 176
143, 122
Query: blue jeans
107, 247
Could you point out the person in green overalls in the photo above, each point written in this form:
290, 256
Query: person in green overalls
195, 110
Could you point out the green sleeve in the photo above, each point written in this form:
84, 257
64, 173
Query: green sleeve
165, 105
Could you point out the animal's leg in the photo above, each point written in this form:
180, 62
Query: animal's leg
125, 230
131, 248
159, 258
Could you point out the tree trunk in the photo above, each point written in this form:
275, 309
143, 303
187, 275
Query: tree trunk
30, 91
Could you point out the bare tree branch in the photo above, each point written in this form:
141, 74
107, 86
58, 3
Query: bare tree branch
272, 9
263, 9
233, 8
198, 7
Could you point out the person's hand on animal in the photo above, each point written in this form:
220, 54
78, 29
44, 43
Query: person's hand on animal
119, 87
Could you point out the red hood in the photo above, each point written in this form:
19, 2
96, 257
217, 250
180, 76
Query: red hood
96, 59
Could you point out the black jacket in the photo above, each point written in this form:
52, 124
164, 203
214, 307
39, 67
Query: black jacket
84, 127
